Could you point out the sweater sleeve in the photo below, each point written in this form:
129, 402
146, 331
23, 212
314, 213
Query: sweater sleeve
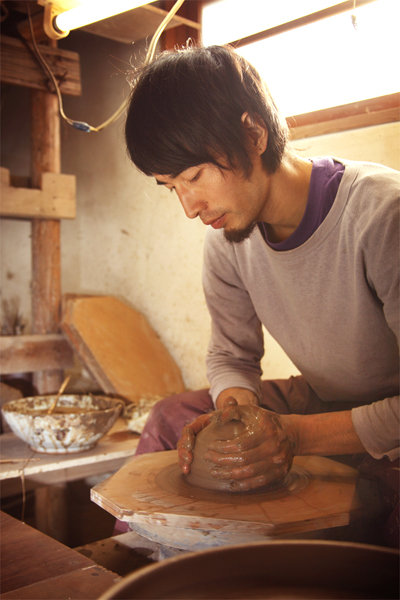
236, 345
377, 426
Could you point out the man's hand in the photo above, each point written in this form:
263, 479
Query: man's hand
241, 395
261, 454
186, 443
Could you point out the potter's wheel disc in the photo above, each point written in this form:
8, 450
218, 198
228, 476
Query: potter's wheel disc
171, 479
149, 490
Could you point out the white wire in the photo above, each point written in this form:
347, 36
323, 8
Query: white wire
148, 58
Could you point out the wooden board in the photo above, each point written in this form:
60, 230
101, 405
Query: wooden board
139, 493
119, 348
136, 24
34, 565
29, 353
19, 66
87, 583
56, 198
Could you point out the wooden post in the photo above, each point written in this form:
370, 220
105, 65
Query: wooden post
50, 501
46, 264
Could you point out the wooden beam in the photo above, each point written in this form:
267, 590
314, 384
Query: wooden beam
325, 13
56, 198
20, 66
31, 353
374, 111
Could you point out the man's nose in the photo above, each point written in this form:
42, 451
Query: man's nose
190, 203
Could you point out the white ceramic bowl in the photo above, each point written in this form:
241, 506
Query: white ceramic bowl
85, 420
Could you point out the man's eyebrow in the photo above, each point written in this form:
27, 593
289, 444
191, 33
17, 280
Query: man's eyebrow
160, 182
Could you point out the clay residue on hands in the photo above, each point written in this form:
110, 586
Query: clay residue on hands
257, 453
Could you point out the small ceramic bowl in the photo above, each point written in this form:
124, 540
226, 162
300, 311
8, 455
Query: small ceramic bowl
77, 423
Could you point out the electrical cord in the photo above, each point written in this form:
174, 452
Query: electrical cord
81, 125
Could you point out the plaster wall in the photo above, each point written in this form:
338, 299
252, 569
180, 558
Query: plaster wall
130, 238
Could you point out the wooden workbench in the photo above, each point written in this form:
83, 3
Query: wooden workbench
110, 453
22, 470
34, 565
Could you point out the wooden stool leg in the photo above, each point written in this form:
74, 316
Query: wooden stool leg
51, 511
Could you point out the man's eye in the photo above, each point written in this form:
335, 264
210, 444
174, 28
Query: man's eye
195, 178
171, 189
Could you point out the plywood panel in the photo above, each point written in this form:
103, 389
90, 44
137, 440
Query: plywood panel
120, 349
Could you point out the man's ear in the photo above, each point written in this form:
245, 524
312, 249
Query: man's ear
257, 132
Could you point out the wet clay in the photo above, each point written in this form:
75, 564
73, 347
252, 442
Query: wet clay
200, 469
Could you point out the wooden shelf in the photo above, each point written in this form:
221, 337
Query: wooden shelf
20, 67
31, 353
137, 24
55, 199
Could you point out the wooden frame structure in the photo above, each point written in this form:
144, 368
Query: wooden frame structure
51, 197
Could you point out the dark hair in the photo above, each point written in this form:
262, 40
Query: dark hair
185, 109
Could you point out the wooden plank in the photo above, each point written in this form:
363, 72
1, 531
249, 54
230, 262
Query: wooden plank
122, 553
119, 348
118, 445
88, 583
136, 24
28, 556
29, 353
374, 111
56, 198
34, 565
19, 66
345, 124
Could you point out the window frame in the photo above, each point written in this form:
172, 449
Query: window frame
363, 113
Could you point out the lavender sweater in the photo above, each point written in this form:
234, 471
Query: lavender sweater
331, 303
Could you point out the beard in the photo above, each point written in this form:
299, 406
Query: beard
236, 236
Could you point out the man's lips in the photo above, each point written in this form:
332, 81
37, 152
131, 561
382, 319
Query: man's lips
216, 223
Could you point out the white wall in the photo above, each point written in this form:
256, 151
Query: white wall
131, 239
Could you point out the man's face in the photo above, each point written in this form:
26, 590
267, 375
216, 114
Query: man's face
224, 199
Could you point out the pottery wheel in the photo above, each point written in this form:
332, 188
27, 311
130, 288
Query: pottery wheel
171, 479
151, 494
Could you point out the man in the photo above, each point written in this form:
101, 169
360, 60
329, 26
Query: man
308, 248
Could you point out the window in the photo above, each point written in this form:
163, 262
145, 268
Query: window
328, 63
